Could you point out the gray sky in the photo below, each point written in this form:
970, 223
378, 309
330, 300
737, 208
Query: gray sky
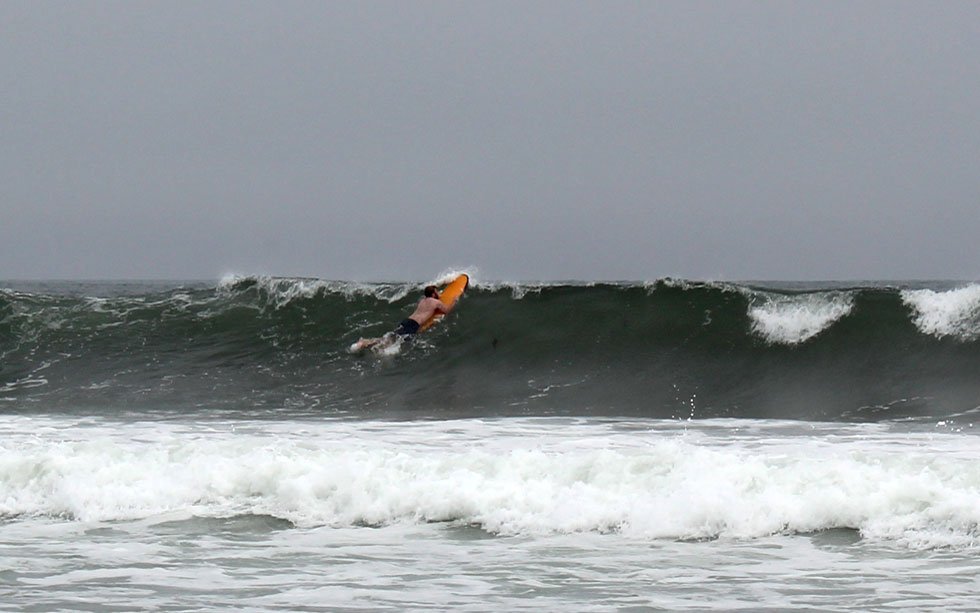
530, 140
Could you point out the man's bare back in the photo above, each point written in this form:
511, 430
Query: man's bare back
427, 307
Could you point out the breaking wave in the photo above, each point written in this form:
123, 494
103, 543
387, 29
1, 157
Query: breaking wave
669, 349
954, 312
510, 477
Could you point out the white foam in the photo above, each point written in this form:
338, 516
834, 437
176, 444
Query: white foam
794, 319
520, 290
387, 346
283, 290
690, 284
24, 383
510, 477
450, 274
953, 313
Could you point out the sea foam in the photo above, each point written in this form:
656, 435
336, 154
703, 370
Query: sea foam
280, 291
565, 478
953, 312
794, 319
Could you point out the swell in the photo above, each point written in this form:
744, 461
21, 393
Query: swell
672, 349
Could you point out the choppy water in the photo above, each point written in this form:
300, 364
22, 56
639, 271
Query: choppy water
664, 446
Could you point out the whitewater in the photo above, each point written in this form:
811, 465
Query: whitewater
672, 445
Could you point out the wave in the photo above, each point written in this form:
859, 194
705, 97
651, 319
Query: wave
795, 319
651, 483
670, 348
954, 312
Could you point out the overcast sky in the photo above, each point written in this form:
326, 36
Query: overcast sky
529, 140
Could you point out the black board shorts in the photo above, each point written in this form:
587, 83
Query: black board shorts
407, 327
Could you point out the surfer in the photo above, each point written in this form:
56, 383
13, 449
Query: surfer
429, 306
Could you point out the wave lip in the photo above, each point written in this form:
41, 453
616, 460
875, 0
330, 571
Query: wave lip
794, 319
281, 291
954, 312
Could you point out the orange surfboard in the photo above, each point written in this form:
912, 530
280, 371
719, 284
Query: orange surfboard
447, 296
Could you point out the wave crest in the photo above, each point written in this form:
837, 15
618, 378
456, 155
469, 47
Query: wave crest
954, 312
281, 291
794, 319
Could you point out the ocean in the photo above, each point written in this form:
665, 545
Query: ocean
672, 445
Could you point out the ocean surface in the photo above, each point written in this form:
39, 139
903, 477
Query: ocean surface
664, 446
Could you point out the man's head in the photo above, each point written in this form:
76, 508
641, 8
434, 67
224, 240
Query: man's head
431, 292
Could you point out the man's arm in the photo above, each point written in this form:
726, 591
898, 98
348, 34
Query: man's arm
443, 308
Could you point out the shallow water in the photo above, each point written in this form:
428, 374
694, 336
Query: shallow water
566, 515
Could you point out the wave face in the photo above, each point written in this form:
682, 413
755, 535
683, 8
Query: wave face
669, 349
